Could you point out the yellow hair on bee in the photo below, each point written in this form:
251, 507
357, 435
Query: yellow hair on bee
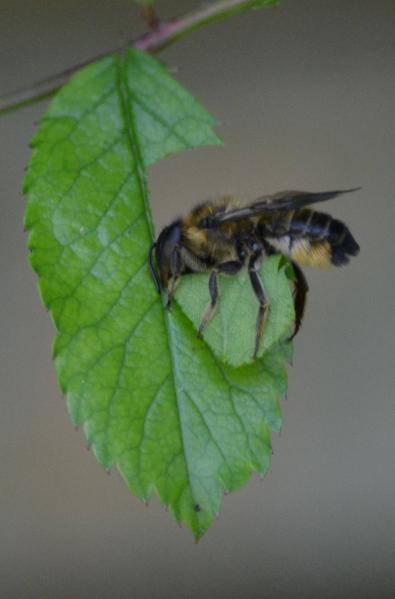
316, 254
214, 242
196, 237
206, 209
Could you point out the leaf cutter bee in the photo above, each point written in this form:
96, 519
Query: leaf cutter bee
223, 237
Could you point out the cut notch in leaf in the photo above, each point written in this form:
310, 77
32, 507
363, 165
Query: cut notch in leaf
152, 398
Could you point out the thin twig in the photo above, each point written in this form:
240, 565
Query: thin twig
172, 31
44, 89
150, 16
162, 35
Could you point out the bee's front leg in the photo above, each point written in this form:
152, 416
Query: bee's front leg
232, 267
208, 313
175, 269
171, 290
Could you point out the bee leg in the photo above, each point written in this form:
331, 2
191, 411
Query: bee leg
175, 269
260, 294
170, 291
300, 293
208, 314
232, 267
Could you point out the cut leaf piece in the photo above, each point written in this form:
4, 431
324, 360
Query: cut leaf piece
152, 398
231, 332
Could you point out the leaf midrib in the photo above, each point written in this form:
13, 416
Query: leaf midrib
126, 102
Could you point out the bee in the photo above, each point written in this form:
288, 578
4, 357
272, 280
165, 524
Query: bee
223, 237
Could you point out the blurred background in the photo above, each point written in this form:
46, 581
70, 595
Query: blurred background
304, 94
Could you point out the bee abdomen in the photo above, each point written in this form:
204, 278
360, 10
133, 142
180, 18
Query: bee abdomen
312, 238
342, 243
306, 224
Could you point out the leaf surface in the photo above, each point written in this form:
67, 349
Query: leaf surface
154, 400
231, 332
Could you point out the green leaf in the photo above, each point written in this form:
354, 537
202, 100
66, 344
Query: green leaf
154, 401
231, 332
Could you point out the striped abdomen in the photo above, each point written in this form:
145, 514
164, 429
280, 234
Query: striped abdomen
309, 238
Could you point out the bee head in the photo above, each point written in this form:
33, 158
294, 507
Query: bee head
165, 249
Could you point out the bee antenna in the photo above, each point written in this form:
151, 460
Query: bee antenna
152, 269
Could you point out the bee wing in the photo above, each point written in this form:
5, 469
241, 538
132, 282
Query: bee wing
284, 200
